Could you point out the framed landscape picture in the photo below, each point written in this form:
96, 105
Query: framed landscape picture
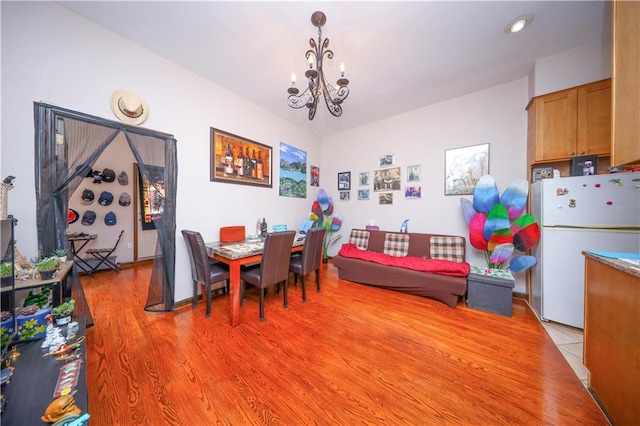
234, 159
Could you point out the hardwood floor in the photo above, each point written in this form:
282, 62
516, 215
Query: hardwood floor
352, 354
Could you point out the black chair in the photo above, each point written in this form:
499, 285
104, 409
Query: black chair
273, 268
102, 254
310, 260
212, 274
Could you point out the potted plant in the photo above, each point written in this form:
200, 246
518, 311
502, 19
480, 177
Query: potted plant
62, 313
499, 227
47, 267
61, 254
6, 272
322, 215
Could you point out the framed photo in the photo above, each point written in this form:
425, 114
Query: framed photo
584, 166
413, 192
414, 173
386, 179
364, 179
235, 159
464, 167
293, 172
385, 160
385, 198
345, 195
363, 194
344, 181
315, 176
541, 173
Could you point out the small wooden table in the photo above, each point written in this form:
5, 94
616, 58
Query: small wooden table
236, 255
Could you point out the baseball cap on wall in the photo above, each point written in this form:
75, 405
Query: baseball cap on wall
87, 197
110, 219
106, 198
108, 175
72, 216
97, 176
125, 199
123, 179
88, 217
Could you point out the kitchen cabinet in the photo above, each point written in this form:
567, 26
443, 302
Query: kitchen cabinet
570, 123
625, 147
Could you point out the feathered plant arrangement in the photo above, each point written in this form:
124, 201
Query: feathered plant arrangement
498, 225
323, 216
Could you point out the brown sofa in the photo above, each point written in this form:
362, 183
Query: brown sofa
428, 265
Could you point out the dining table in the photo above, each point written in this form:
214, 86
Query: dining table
237, 254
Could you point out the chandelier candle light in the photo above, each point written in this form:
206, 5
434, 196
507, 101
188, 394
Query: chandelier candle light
318, 85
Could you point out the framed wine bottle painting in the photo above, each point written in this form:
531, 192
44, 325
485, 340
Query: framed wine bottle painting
235, 159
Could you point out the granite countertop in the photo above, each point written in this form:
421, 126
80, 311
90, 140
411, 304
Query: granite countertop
620, 265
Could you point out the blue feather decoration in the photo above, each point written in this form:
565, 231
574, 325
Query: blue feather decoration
485, 195
467, 210
515, 197
522, 262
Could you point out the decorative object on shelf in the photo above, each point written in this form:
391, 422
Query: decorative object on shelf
32, 322
498, 224
5, 186
129, 107
317, 83
61, 254
6, 328
323, 216
239, 160
62, 313
541, 173
47, 267
6, 273
53, 338
62, 408
464, 167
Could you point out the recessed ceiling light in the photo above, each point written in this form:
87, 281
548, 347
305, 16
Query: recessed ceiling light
519, 23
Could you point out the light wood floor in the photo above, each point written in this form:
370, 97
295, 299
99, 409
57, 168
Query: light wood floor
352, 355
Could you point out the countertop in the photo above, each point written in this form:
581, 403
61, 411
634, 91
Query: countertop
614, 263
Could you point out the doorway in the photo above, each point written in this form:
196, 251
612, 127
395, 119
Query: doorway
67, 146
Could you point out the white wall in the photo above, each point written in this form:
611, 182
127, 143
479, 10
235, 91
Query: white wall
584, 64
52, 55
496, 116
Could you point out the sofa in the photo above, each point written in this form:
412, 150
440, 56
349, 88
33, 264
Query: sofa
428, 265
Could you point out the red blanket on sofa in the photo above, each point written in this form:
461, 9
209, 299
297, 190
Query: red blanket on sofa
434, 266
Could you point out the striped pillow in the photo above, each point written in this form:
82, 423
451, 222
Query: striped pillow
447, 248
396, 244
359, 238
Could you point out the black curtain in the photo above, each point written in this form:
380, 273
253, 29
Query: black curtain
67, 144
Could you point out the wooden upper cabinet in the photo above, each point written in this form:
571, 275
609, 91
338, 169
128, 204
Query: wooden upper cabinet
626, 83
570, 123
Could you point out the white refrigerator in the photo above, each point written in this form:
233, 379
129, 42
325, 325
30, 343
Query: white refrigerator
576, 214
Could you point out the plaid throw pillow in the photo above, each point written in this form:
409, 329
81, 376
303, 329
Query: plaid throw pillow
359, 238
396, 244
447, 248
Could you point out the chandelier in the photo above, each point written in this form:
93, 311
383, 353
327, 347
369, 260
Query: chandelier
317, 84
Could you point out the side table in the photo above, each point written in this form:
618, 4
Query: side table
490, 290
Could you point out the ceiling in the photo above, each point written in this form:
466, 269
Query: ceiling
399, 56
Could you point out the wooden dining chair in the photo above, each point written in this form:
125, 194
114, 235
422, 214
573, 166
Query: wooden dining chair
208, 272
273, 268
310, 259
232, 234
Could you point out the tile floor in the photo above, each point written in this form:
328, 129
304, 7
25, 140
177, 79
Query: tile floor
569, 341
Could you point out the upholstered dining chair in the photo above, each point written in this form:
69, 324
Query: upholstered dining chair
310, 259
208, 272
273, 268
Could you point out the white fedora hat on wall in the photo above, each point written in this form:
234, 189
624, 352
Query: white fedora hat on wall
129, 107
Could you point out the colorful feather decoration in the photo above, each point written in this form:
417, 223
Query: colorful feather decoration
514, 197
522, 222
323, 199
522, 262
316, 210
485, 195
500, 236
498, 218
476, 226
467, 210
329, 210
501, 254
527, 238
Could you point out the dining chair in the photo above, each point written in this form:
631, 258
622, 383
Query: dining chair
273, 268
213, 275
310, 259
102, 255
232, 234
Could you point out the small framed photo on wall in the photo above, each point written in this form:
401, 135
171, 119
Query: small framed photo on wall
344, 181
413, 173
364, 179
363, 194
385, 198
385, 160
345, 195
